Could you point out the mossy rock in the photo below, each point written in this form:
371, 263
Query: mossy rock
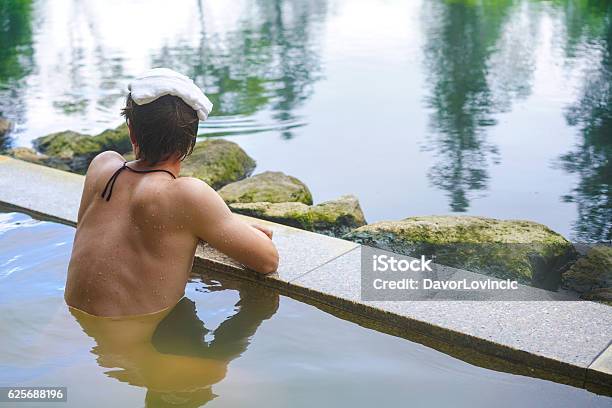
601, 295
76, 150
526, 251
218, 162
270, 186
593, 271
334, 218
117, 139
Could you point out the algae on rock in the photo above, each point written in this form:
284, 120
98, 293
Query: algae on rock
218, 162
270, 186
526, 251
334, 218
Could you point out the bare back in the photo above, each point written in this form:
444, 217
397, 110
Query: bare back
132, 254
132, 251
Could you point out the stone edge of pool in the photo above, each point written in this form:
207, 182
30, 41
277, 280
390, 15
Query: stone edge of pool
567, 342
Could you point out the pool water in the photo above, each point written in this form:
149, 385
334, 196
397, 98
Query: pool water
494, 108
226, 344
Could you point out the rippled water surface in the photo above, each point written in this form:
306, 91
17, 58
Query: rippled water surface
267, 350
498, 108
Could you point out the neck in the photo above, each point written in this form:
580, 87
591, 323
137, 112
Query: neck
173, 166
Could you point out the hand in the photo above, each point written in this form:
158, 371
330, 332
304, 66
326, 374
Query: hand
263, 229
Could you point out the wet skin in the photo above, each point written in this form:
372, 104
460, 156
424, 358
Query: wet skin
133, 254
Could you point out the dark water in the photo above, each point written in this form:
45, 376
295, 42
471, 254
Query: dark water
498, 108
226, 344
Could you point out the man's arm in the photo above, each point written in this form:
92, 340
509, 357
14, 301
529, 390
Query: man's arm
213, 222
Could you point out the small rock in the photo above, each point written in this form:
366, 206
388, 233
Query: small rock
334, 218
593, 271
526, 251
218, 162
5, 126
30, 155
270, 186
27, 154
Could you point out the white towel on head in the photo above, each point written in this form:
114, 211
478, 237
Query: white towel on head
158, 82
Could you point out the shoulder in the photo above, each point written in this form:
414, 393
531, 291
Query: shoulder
103, 163
108, 156
104, 160
190, 188
196, 196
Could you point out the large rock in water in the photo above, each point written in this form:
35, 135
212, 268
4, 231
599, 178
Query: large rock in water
591, 272
270, 186
218, 162
523, 250
75, 150
334, 218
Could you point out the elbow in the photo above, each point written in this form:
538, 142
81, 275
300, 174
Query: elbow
270, 264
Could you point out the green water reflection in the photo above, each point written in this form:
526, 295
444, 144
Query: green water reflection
16, 59
271, 67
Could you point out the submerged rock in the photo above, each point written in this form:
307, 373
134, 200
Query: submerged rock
218, 162
509, 249
591, 272
75, 150
334, 218
270, 186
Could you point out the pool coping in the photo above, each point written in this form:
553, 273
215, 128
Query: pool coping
313, 266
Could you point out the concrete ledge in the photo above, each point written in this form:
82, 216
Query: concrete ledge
567, 342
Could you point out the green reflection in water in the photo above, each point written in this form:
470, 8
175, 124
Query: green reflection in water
269, 61
479, 59
460, 39
16, 57
590, 27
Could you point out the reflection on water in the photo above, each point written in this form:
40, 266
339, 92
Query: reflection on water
267, 61
456, 59
591, 159
299, 82
169, 353
16, 58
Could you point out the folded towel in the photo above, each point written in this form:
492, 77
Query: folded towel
158, 82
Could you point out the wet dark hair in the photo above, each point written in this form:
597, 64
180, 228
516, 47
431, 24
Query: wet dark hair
162, 128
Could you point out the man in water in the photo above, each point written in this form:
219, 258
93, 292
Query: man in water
138, 224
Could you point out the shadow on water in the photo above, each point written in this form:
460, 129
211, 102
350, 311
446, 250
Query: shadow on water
16, 58
172, 353
269, 61
589, 29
